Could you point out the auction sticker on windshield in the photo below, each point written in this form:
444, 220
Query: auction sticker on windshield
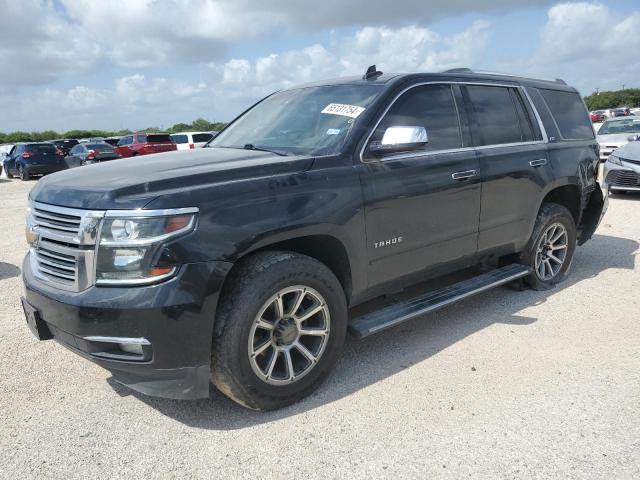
352, 111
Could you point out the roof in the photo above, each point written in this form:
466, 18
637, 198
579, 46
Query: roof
457, 74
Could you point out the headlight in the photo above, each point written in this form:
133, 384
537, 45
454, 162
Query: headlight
615, 160
129, 248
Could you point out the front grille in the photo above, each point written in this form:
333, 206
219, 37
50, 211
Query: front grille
623, 178
57, 221
56, 263
63, 250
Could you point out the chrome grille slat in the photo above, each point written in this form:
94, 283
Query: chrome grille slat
58, 266
64, 251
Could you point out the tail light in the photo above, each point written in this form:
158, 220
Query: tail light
92, 155
27, 155
192, 146
59, 152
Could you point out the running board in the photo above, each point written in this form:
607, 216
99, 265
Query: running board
387, 317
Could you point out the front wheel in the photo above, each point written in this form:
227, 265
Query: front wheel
280, 327
550, 249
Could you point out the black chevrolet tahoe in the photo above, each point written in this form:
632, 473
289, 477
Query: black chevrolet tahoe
241, 263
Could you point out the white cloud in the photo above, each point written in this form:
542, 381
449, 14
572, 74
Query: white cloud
589, 45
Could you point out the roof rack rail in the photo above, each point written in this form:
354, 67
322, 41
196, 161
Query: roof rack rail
459, 70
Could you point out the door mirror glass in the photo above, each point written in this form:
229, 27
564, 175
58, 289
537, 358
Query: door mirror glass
400, 139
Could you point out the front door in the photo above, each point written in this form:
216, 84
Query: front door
421, 207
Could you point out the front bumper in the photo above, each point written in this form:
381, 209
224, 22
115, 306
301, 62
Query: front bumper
625, 177
175, 318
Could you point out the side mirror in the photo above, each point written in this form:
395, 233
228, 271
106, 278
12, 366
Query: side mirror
400, 139
633, 138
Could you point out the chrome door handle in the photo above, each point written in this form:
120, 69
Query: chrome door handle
463, 175
538, 163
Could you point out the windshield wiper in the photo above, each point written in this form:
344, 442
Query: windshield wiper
250, 146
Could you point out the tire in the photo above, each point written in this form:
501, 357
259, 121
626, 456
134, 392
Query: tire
8, 173
24, 176
553, 221
250, 294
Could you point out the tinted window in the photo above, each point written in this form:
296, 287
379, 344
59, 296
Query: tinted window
142, 138
42, 148
530, 128
496, 117
569, 113
201, 137
125, 141
180, 138
75, 150
157, 138
428, 106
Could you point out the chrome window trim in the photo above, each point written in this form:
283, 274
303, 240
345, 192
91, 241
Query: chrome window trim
422, 153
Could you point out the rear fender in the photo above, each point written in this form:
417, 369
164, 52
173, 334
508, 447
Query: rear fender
594, 205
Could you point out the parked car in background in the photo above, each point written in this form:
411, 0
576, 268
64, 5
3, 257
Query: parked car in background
4, 153
88, 153
187, 140
635, 111
30, 159
597, 116
65, 144
113, 141
615, 132
144, 144
622, 169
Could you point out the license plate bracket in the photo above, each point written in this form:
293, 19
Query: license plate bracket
35, 323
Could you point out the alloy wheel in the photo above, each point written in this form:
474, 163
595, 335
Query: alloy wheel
289, 335
551, 251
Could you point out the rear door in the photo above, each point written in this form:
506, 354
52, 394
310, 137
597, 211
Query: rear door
514, 163
421, 207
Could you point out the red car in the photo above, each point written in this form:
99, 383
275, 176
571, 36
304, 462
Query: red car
144, 144
597, 116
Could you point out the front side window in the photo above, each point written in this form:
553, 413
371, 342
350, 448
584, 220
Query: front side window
570, 114
202, 137
304, 121
496, 117
430, 106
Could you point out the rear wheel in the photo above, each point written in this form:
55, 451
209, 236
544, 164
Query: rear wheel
22, 173
8, 172
550, 249
280, 327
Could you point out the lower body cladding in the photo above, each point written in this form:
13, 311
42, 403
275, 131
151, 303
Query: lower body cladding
154, 339
621, 178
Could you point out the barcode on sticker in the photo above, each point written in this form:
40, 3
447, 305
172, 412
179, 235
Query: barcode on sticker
352, 111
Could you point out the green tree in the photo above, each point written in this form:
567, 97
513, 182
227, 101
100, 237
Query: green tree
629, 97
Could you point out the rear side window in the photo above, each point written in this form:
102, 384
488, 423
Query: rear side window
496, 116
569, 113
156, 138
430, 106
180, 139
201, 137
126, 141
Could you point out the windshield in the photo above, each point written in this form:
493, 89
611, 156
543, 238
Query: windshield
307, 121
628, 125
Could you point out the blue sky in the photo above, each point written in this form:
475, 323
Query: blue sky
137, 63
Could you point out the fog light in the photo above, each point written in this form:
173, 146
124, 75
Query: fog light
133, 348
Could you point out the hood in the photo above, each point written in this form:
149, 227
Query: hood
134, 182
630, 151
613, 139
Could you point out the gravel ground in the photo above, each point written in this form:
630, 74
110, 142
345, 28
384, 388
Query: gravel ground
504, 385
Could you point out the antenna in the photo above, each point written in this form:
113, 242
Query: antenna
371, 73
